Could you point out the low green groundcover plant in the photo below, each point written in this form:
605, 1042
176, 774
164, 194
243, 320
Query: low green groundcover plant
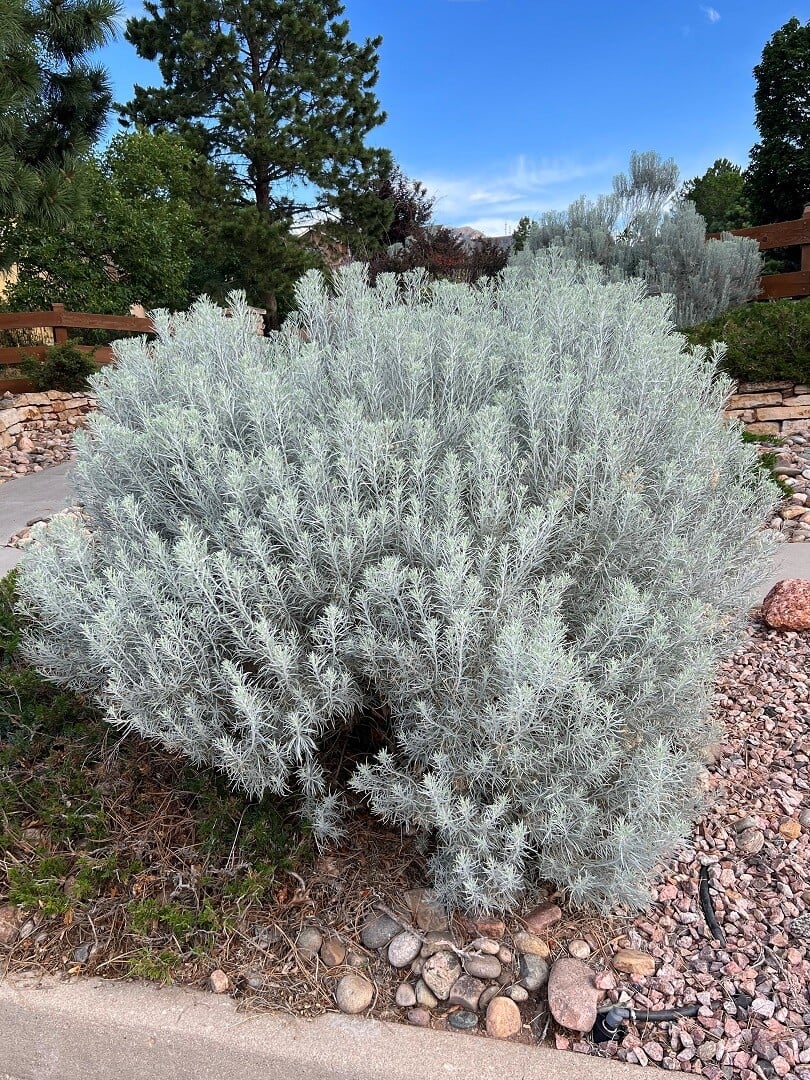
64, 367
767, 341
506, 521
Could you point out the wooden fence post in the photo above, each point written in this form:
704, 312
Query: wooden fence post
806, 247
60, 333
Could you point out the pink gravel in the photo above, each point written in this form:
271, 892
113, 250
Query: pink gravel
755, 841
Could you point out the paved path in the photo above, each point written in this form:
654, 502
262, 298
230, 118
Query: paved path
29, 497
43, 493
97, 1030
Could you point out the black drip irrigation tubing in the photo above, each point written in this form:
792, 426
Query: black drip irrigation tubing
608, 1026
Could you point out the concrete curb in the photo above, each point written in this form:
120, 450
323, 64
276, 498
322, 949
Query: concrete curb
98, 1030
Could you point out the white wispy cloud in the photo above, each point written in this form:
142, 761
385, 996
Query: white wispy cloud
712, 14
498, 199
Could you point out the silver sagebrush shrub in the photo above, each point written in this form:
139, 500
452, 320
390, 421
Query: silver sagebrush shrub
511, 513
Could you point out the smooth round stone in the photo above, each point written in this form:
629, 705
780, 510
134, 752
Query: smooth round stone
482, 967
403, 949
466, 992
517, 993
488, 995
579, 949
354, 994
506, 956
503, 1018
485, 945
309, 941
531, 944
379, 932
425, 996
533, 971
405, 996
419, 1018
463, 1020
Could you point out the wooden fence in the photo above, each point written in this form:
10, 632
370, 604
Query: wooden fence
781, 235
61, 323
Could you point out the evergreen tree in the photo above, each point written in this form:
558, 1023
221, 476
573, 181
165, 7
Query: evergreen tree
411, 207
276, 95
53, 103
778, 182
719, 197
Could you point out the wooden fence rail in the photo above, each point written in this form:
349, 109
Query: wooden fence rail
61, 322
782, 234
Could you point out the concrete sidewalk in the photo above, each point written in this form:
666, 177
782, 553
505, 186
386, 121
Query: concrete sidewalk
97, 1030
38, 495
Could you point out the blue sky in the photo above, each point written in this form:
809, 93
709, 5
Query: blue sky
512, 107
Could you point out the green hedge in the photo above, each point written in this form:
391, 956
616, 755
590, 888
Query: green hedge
765, 341
64, 367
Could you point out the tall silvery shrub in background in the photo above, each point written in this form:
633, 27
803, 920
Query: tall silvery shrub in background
640, 231
511, 513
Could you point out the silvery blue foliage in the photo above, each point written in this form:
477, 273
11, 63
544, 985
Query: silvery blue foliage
638, 231
510, 513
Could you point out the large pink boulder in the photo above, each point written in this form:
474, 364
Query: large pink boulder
787, 605
573, 994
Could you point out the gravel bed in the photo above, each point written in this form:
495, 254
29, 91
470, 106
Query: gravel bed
792, 519
754, 1019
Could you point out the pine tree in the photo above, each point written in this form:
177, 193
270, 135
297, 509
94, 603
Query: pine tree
778, 182
719, 196
274, 93
53, 103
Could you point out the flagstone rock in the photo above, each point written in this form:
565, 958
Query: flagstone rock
542, 917
634, 962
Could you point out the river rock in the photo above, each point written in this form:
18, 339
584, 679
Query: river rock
354, 994
482, 967
9, 924
533, 971
405, 996
333, 951
517, 993
219, 981
419, 1018
309, 941
466, 991
378, 933
503, 1018
425, 996
531, 944
403, 949
485, 945
440, 972
463, 1020
572, 995
488, 995
489, 926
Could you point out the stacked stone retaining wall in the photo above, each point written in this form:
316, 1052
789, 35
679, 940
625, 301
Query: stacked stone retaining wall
771, 408
36, 430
